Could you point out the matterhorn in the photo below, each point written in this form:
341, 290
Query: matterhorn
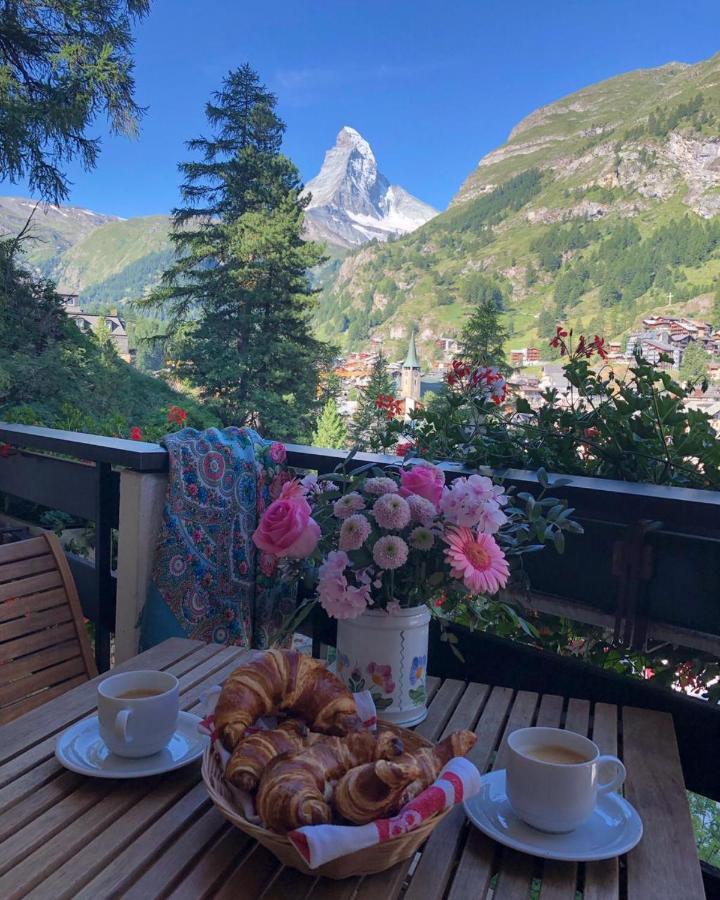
352, 202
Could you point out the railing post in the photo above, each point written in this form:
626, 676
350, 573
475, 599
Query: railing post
141, 501
103, 562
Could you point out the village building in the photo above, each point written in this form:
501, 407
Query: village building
88, 322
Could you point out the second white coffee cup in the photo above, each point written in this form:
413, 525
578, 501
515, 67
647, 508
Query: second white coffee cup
138, 712
553, 777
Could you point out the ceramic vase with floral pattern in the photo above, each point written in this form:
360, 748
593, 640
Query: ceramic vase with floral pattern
387, 655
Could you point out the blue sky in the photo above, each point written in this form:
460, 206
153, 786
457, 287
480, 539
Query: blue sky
432, 84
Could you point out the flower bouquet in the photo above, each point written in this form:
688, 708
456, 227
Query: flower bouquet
392, 547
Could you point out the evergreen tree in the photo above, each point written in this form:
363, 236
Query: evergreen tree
482, 338
369, 422
695, 362
716, 308
63, 65
331, 430
238, 296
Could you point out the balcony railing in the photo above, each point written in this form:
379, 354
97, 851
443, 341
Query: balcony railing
119, 486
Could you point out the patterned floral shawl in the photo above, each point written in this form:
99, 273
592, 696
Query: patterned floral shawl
210, 582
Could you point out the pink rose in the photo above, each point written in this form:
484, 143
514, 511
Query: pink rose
287, 529
425, 480
278, 453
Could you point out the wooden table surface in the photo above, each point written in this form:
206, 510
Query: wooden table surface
66, 836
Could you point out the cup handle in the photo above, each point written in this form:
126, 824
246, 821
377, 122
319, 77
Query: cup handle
605, 786
121, 720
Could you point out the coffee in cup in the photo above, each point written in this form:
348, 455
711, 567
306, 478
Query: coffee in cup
138, 712
553, 777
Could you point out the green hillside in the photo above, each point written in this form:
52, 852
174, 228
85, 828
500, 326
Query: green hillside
117, 261
599, 208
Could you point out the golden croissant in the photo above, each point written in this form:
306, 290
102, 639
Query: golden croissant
380, 789
295, 789
285, 681
256, 751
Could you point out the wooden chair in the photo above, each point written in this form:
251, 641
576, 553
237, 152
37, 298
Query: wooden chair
44, 646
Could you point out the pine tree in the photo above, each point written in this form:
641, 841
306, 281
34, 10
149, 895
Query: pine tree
63, 65
238, 296
695, 362
331, 430
716, 308
482, 338
369, 422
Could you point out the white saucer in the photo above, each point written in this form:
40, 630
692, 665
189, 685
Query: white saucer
82, 750
613, 828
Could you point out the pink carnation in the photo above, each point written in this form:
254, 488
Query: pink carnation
390, 552
422, 510
381, 486
354, 531
423, 479
337, 598
348, 504
476, 559
391, 511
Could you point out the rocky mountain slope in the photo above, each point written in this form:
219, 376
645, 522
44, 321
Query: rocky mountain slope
352, 202
598, 208
108, 260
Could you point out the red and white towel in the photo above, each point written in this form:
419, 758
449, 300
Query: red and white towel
318, 844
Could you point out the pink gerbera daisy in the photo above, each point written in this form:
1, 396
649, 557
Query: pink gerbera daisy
477, 559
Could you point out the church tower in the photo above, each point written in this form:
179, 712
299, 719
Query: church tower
410, 373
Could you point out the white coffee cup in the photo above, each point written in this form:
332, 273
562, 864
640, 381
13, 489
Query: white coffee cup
138, 711
552, 777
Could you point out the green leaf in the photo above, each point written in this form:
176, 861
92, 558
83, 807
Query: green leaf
559, 541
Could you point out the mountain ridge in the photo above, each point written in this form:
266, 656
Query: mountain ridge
640, 148
352, 202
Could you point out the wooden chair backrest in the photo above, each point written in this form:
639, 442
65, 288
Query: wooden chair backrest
44, 645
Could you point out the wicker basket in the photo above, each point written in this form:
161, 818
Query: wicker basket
362, 862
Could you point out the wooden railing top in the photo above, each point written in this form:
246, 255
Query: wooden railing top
685, 510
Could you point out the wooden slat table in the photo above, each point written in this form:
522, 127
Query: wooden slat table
66, 836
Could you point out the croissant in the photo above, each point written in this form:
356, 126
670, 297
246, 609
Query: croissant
295, 790
380, 789
284, 680
254, 752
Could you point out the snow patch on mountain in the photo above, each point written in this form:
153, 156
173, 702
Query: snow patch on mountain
352, 202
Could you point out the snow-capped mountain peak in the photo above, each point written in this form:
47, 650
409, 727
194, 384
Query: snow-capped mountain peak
351, 200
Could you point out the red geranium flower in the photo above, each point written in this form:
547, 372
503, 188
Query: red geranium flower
177, 415
136, 433
403, 449
599, 345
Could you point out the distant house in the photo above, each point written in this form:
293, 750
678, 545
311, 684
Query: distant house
652, 346
115, 325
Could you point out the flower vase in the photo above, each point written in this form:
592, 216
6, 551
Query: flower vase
387, 655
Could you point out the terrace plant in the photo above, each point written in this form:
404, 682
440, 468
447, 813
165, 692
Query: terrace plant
631, 428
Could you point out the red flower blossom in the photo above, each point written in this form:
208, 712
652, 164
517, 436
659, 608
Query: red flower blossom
136, 433
441, 600
403, 449
599, 345
177, 416
6, 450
558, 341
391, 406
648, 673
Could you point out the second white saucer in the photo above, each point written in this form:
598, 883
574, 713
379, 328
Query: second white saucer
613, 828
